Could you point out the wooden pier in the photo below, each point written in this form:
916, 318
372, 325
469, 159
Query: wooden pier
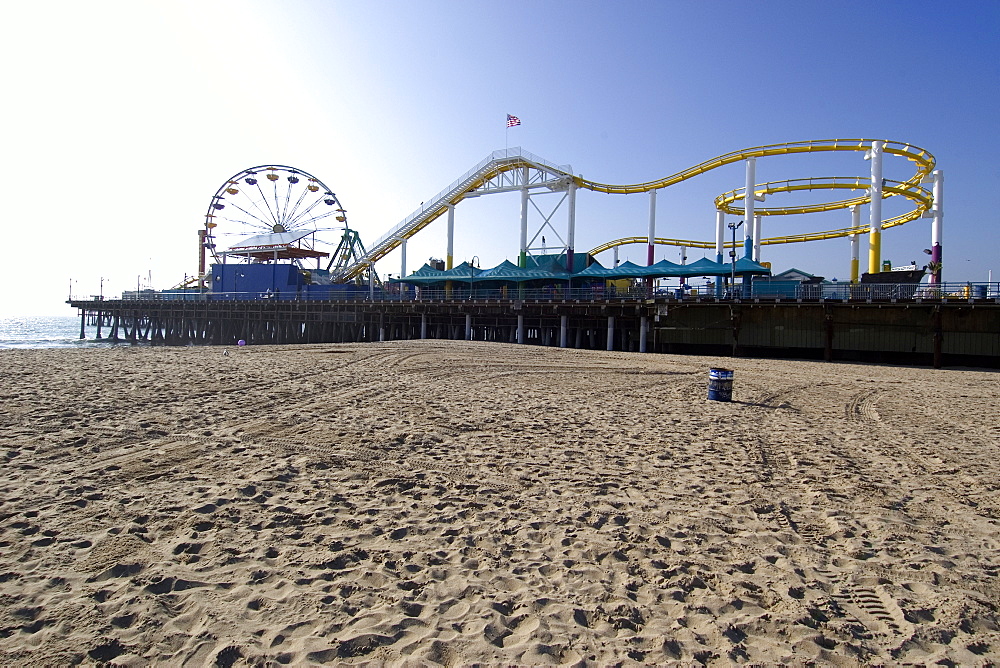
938, 332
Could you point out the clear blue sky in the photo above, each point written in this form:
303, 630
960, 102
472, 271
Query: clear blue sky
121, 119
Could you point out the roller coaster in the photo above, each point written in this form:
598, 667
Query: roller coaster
513, 170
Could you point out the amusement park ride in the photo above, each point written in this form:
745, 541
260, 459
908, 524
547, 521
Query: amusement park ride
274, 214
283, 209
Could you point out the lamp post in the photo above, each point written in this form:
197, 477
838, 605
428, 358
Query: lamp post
684, 258
732, 253
472, 275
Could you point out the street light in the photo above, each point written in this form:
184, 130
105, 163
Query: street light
472, 275
684, 259
732, 253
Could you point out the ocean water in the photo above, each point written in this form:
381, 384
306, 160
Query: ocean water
46, 332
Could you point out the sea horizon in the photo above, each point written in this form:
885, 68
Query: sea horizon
37, 331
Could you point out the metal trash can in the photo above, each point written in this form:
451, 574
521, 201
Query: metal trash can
720, 384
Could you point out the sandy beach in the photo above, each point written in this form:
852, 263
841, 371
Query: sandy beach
441, 502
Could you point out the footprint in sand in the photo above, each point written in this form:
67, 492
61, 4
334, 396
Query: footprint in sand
453, 609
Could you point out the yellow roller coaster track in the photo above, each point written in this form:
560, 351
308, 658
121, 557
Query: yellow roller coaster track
923, 159
911, 189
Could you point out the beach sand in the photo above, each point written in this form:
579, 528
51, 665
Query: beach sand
445, 502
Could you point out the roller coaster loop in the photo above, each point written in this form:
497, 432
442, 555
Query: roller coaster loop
910, 189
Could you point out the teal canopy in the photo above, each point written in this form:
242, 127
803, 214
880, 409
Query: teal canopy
747, 266
665, 268
464, 272
706, 267
553, 266
508, 271
596, 270
505, 270
661, 269
628, 270
553, 271
426, 274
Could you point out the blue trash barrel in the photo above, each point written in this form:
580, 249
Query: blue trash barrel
720, 384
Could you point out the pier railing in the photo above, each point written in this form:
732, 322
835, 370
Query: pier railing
761, 291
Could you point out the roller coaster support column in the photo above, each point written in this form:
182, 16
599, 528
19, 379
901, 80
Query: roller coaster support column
522, 260
571, 227
720, 244
402, 266
650, 250
855, 242
652, 228
449, 258
936, 224
748, 202
756, 238
875, 210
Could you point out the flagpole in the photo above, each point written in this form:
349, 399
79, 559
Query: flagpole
511, 120
506, 136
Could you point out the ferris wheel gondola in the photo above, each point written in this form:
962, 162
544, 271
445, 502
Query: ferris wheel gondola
270, 206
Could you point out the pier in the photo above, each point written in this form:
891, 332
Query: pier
939, 332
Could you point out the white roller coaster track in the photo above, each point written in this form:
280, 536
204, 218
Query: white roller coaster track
496, 163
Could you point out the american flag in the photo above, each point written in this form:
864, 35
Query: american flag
512, 121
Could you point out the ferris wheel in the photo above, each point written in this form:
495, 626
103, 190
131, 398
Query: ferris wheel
271, 206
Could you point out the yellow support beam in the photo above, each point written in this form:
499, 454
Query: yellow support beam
874, 251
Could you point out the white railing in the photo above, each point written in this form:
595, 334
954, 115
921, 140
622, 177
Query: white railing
560, 290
